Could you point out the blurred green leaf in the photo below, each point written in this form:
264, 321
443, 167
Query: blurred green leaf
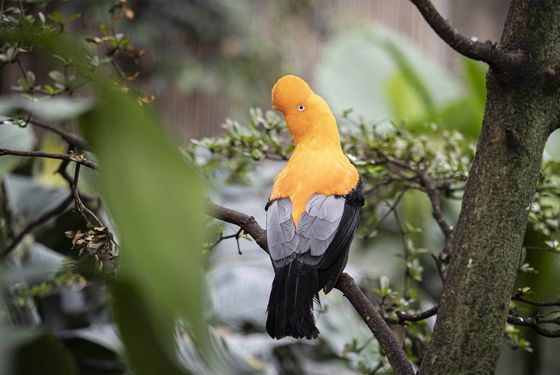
357, 65
15, 138
139, 332
156, 201
56, 109
403, 99
476, 78
42, 355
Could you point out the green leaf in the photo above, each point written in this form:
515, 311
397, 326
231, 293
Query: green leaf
57, 76
139, 332
57, 17
476, 78
15, 138
56, 109
156, 201
357, 65
404, 101
42, 355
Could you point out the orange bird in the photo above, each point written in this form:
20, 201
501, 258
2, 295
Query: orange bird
312, 212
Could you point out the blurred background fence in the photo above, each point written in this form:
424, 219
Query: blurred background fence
210, 59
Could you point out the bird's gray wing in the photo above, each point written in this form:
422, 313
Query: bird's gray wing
281, 232
318, 226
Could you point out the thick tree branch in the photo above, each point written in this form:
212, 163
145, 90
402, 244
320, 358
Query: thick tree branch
347, 285
76, 158
476, 50
55, 211
391, 348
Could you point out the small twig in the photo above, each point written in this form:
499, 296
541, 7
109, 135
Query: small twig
71, 138
247, 223
236, 235
405, 250
544, 249
80, 206
21, 68
533, 323
405, 317
59, 209
430, 189
377, 368
392, 207
76, 158
519, 297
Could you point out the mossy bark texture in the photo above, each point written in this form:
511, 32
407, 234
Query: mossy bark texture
522, 110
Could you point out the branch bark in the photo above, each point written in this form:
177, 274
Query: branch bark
346, 284
391, 348
476, 50
76, 158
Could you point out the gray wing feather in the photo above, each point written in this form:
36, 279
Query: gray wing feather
280, 230
318, 225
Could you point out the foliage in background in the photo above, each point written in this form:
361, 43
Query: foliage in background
405, 167
142, 177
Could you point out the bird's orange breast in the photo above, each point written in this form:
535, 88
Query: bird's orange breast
314, 169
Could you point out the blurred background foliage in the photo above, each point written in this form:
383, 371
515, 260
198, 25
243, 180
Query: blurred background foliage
124, 273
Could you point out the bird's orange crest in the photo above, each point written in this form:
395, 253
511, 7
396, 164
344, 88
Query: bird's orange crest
318, 165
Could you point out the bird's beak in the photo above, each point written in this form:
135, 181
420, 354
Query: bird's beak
275, 107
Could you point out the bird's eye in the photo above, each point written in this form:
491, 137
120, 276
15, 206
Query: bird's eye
300, 107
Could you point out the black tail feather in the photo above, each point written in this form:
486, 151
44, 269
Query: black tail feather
290, 307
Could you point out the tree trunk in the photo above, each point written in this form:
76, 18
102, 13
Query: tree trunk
522, 110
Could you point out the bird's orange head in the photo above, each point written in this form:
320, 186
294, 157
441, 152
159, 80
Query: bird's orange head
307, 114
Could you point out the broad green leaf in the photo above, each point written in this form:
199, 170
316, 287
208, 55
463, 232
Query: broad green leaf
42, 355
156, 201
404, 101
476, 78
46, 174
15, 138
139, 332
356, 66
56, 109
28, 199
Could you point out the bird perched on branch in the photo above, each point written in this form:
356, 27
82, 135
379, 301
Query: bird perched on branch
312, 212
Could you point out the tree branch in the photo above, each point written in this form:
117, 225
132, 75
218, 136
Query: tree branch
476, 50
519, 297
80, 206
534, 324
376, 323
76, 158
71, 138
59, 209
404, 317
347, 285
245, 222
